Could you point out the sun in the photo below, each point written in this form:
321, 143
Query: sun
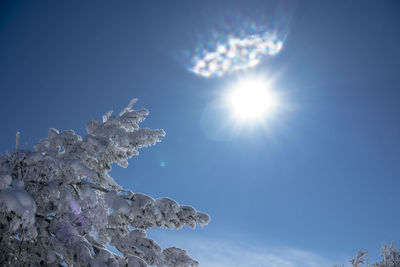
252, 99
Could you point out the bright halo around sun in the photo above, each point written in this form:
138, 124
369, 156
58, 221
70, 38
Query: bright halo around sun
253, 99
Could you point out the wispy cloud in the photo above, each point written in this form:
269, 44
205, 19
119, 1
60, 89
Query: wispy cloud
217, 253
235, 53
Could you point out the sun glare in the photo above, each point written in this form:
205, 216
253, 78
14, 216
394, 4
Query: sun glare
252, 99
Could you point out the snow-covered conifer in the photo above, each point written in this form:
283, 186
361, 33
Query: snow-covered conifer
59, 205
390, 258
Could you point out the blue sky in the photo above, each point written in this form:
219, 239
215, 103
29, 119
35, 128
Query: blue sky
319, 182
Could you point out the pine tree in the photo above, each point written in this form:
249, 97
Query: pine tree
60, 206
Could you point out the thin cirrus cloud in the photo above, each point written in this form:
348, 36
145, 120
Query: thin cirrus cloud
220, 253
234, 53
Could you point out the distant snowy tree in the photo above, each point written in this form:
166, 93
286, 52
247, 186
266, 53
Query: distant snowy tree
390, 258
60, 206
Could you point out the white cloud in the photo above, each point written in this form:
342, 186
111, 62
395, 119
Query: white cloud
235, 53
217, 253
222, 254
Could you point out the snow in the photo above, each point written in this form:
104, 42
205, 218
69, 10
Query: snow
60, 206
19, 202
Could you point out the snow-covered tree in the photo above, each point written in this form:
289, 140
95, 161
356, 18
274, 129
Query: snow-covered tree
390, 258
60, 206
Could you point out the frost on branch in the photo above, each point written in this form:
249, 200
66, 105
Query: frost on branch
59, 205
390, 258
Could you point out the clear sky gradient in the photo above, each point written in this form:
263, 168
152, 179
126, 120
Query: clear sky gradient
319, 182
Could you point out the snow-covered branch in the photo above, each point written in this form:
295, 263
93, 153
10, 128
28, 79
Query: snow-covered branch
390, 258
59, 205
